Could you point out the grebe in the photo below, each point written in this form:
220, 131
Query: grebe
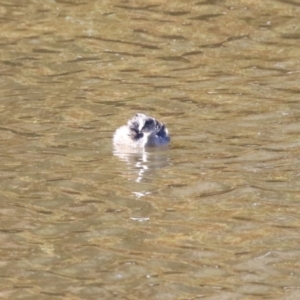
141, 131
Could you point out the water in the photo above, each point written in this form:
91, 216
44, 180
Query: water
215, 216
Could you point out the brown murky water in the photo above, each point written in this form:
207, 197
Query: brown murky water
215, 216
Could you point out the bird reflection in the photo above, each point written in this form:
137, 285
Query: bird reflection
143, 163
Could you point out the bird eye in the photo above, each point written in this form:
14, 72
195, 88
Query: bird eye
149, 122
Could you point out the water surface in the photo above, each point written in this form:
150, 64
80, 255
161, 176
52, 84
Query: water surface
215, 216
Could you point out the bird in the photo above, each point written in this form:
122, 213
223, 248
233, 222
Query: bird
141, 131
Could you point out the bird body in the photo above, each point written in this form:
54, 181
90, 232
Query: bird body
141, 131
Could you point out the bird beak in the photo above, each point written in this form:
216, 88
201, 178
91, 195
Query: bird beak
141, 126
